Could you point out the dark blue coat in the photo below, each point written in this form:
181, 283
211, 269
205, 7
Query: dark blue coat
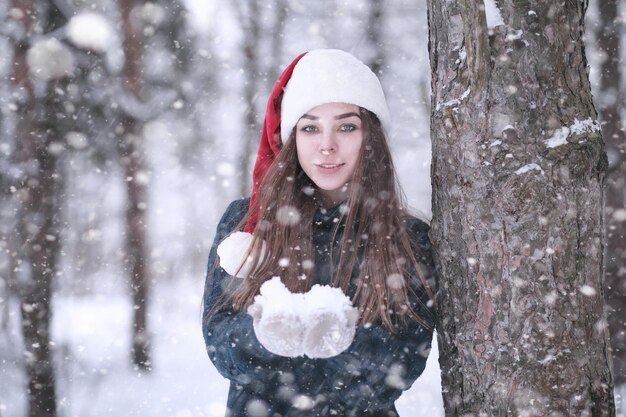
365, 380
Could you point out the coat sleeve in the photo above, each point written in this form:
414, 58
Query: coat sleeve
379, 365
230, 341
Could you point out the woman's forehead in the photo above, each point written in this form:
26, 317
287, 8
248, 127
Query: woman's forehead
332, 110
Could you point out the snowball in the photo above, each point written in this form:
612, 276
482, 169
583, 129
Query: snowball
330, 321
276, 321
324, 316
275, 298
232, 251
90, 31
49, 59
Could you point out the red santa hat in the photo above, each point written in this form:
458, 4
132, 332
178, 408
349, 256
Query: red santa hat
270, 137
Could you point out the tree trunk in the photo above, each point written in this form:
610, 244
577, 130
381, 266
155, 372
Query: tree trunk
611, 101
39, 190
39, 237
517, 168
130, 148
36, 226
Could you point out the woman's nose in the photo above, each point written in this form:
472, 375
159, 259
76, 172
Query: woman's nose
328, 144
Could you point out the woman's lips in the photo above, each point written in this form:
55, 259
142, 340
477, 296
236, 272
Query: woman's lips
327, 168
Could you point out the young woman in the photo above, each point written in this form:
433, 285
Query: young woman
318, 298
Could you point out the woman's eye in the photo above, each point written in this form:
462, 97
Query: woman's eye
348, 128
308, 128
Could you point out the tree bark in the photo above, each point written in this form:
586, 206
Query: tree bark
517, 169
610, 101
130, 148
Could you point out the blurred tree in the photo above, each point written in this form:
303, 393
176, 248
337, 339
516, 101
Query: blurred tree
259, 71
374, 35
248, 16
42, 66
132, 159
152, 82
517, 167
610, 99
277, 40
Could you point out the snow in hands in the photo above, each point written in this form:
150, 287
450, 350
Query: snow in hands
319, 324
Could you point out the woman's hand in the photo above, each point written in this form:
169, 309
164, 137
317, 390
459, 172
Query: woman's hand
330, 322
318, 324
280, 333
328, 334
277, 323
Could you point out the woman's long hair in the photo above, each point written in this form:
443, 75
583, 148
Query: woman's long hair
374, 242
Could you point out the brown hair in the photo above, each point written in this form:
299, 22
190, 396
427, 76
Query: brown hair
375, 239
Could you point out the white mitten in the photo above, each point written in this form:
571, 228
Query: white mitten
330, 321
276, 321
232, 251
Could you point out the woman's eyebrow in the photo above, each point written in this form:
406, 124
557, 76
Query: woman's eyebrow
338, 117
346, 115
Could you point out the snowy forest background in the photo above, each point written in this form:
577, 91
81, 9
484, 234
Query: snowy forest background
175, 132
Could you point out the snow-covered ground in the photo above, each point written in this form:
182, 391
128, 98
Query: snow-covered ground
96, 379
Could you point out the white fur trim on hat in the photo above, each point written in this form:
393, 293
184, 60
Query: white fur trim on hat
232, 251
331, 76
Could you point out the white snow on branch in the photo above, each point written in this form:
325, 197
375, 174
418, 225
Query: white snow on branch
584, 126
529, 167
453, 102
462, 55
559, 137
579, 127
494, 18
90, 31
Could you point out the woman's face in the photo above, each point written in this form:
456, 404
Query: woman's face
328, 141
